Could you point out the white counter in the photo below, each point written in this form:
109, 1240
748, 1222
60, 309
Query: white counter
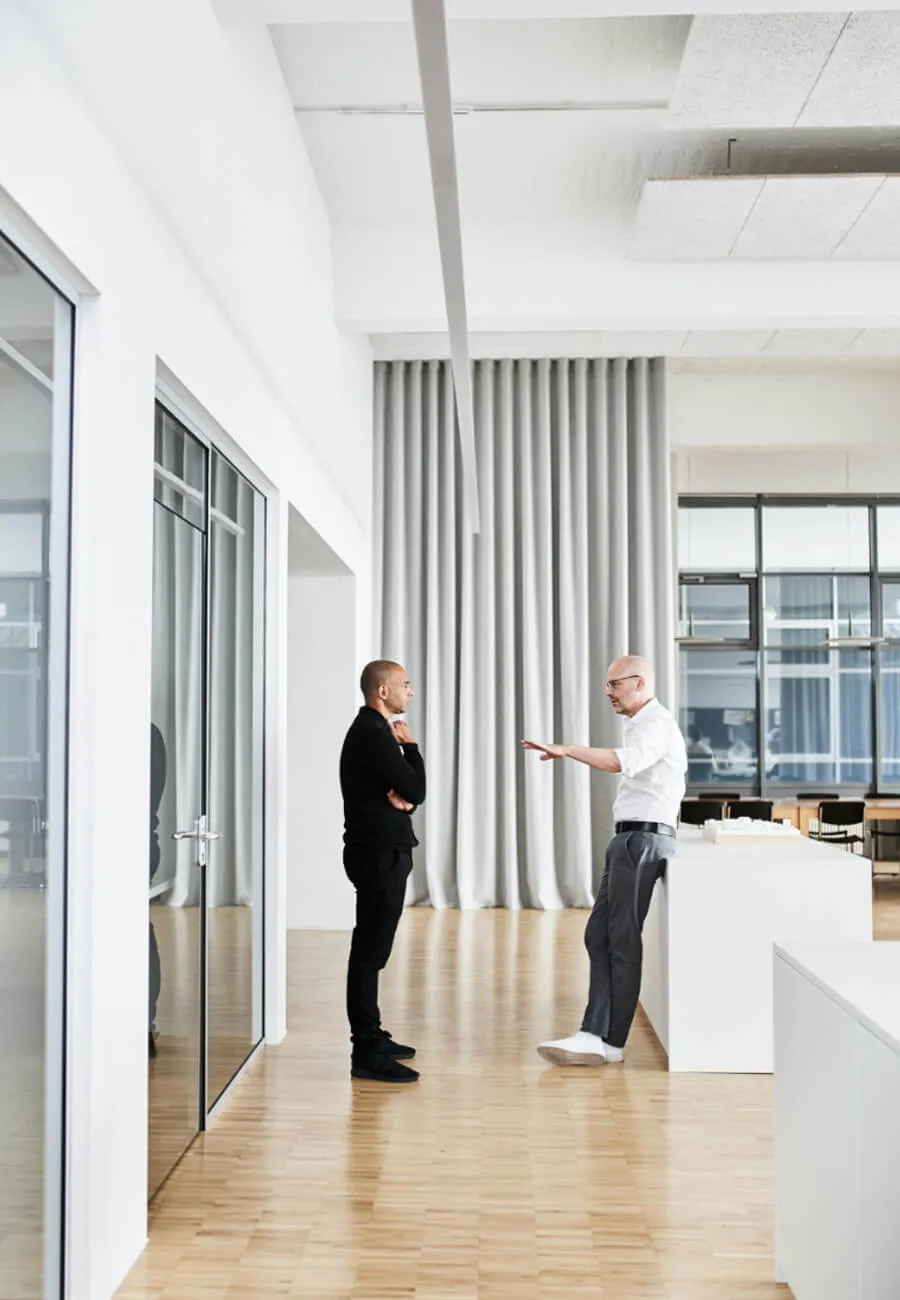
837, 1120
707, 980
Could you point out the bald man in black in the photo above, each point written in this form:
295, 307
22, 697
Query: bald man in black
382, 782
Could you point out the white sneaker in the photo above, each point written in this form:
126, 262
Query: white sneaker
614, 1054
581, 1049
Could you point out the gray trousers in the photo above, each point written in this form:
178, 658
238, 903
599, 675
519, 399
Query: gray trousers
634, 862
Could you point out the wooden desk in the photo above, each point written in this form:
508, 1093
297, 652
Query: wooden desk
800, 812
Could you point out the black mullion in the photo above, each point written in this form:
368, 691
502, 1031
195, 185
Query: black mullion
204, 847
761, 694
877, 623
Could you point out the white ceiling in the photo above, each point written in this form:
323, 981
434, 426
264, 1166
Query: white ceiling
612, 134
513, 165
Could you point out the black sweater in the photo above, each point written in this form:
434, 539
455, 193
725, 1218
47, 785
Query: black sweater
371, 764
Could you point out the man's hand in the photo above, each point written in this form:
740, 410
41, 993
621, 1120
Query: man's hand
547, 751
396, 802
402, 733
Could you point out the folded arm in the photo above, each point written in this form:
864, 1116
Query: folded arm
401, 772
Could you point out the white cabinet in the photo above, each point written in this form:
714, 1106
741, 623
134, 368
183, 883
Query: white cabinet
707, 978
837, 1124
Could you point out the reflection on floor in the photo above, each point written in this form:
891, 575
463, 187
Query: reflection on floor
887, 907
494, 1178
175, 1070
22, 913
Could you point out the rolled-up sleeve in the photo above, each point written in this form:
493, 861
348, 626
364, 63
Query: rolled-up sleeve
644, 749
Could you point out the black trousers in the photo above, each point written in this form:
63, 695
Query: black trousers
634, 862
379, 877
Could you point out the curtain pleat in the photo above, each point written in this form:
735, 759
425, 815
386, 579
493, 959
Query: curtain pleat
509, 633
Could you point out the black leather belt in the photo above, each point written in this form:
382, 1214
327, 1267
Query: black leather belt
652, 828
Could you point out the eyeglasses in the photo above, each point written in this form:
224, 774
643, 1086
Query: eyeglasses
617, 681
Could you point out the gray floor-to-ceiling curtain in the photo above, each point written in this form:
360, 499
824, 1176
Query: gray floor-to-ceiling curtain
509, 633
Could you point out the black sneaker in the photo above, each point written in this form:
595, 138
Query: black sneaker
384, 1069
399, 1051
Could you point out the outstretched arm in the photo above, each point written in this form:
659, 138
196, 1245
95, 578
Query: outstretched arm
605, 760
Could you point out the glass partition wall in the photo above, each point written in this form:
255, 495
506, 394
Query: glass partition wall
36, 330
789, 636
206, 799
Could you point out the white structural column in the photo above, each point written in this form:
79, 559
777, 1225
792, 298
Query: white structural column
430, 24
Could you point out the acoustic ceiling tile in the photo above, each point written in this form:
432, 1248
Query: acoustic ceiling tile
803, 217
860, 84
692, 220
751, 70
876, 234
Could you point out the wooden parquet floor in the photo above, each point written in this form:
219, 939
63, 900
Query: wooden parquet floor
497, 1177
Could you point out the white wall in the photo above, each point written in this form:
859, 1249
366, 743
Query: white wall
158, 155
322, 700
792, 433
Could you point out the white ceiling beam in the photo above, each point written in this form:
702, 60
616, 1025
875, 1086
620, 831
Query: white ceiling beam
433, 55
383, 11
388, 281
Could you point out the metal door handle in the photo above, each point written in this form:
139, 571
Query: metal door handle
201, 835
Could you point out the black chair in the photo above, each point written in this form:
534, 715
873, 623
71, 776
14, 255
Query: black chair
841, 821
818, 797
759, 809
719, 796
878, 833
694, 812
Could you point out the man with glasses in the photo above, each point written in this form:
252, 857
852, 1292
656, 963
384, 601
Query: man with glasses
652, 762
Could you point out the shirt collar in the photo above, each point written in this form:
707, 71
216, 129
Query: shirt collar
642, 714
375, 713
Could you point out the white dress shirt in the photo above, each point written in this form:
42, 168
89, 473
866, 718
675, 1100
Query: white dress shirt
654, 761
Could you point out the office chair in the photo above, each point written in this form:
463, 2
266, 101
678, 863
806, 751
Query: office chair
694, 812
759, 809
841, 821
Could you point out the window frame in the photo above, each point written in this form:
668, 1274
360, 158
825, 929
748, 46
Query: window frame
749, 642
763, 786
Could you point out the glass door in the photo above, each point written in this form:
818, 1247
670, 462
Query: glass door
36, 336
236, 748
177, 797
207, 739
